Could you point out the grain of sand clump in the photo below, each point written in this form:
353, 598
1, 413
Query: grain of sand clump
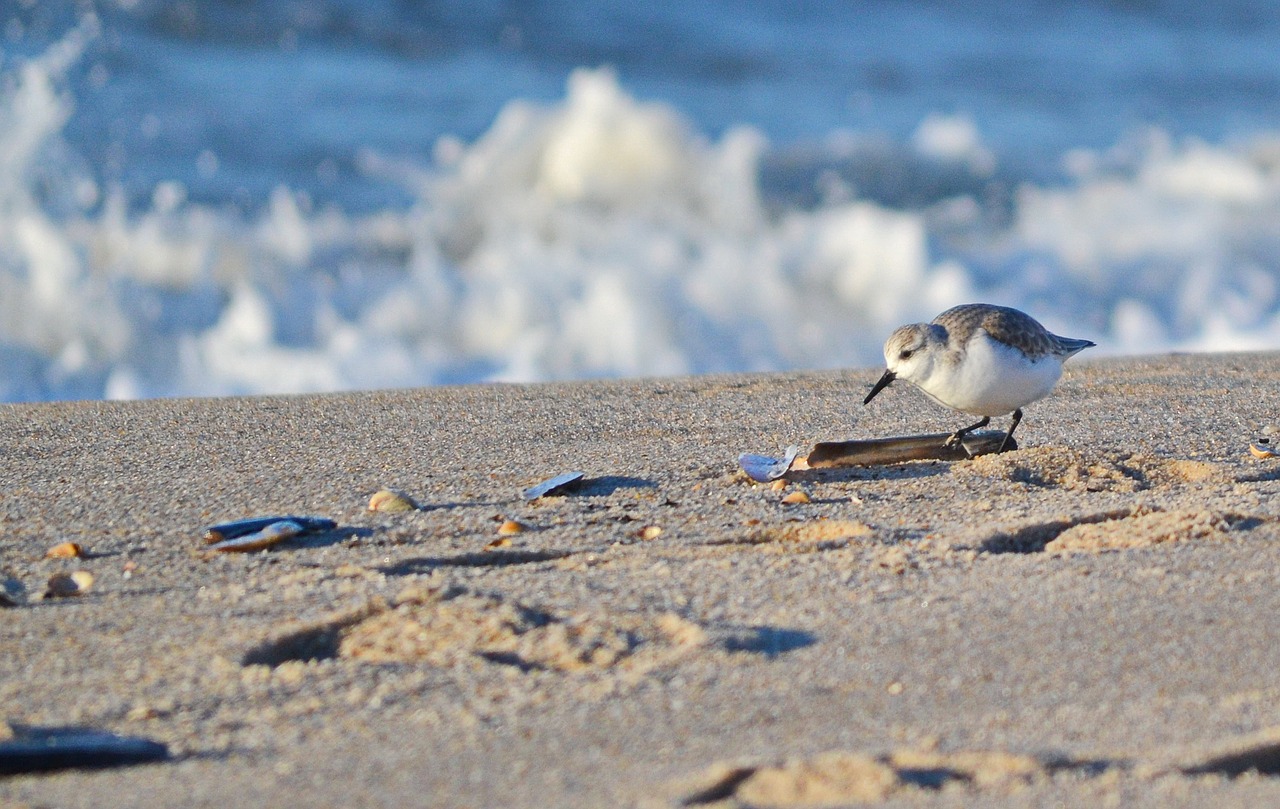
470, 629
842, 778
1143, 529
1075, 470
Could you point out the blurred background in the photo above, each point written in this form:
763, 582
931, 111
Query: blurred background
239, 197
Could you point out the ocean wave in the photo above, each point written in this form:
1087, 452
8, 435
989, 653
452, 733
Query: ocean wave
600, 235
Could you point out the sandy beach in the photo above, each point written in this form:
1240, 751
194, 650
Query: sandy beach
1087, 621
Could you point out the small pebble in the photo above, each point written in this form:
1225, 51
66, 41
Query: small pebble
141, 713
1270, 429
650, 532
63, 585
510, 528
389, 501
795, 498
64, 550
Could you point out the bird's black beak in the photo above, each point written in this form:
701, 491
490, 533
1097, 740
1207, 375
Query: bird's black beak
888, 377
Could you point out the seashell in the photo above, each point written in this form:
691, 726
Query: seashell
903, 448
650, 532
556, 485
510, 528
390, 501
778, 485
239, 528
762, 468
266, 537
1260, 451
64, 550
63, 585
12, 593
795, 498
34, 749
500, 542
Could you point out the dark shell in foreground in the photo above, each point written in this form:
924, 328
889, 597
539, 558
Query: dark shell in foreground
44, 749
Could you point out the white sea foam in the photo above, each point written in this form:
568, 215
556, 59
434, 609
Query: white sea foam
600, 236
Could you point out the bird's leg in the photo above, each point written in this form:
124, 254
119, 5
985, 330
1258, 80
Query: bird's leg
955, 438
1013, 425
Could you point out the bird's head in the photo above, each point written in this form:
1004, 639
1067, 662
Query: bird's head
909, 353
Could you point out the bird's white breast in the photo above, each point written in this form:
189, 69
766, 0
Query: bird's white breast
991, 378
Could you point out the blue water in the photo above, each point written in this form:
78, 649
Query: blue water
290, 92
214, 169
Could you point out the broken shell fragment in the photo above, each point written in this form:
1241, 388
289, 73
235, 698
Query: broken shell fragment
240, 528
391, 501
795, 498
510, 528
1261, 451
64, 585
500, 542
64, 550
556, 485
271, 534
762, 468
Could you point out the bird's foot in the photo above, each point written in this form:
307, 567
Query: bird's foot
958, 436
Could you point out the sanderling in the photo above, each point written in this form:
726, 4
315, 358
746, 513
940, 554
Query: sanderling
980, 359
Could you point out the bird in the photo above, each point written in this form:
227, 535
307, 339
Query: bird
981, 359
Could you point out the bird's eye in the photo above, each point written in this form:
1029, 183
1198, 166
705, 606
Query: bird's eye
906, 354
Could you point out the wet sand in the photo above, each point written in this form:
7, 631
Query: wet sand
1087, 621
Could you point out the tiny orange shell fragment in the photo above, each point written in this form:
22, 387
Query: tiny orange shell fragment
64, 550
778, 485
510, 528
1260, 451
795, 498
500, 542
